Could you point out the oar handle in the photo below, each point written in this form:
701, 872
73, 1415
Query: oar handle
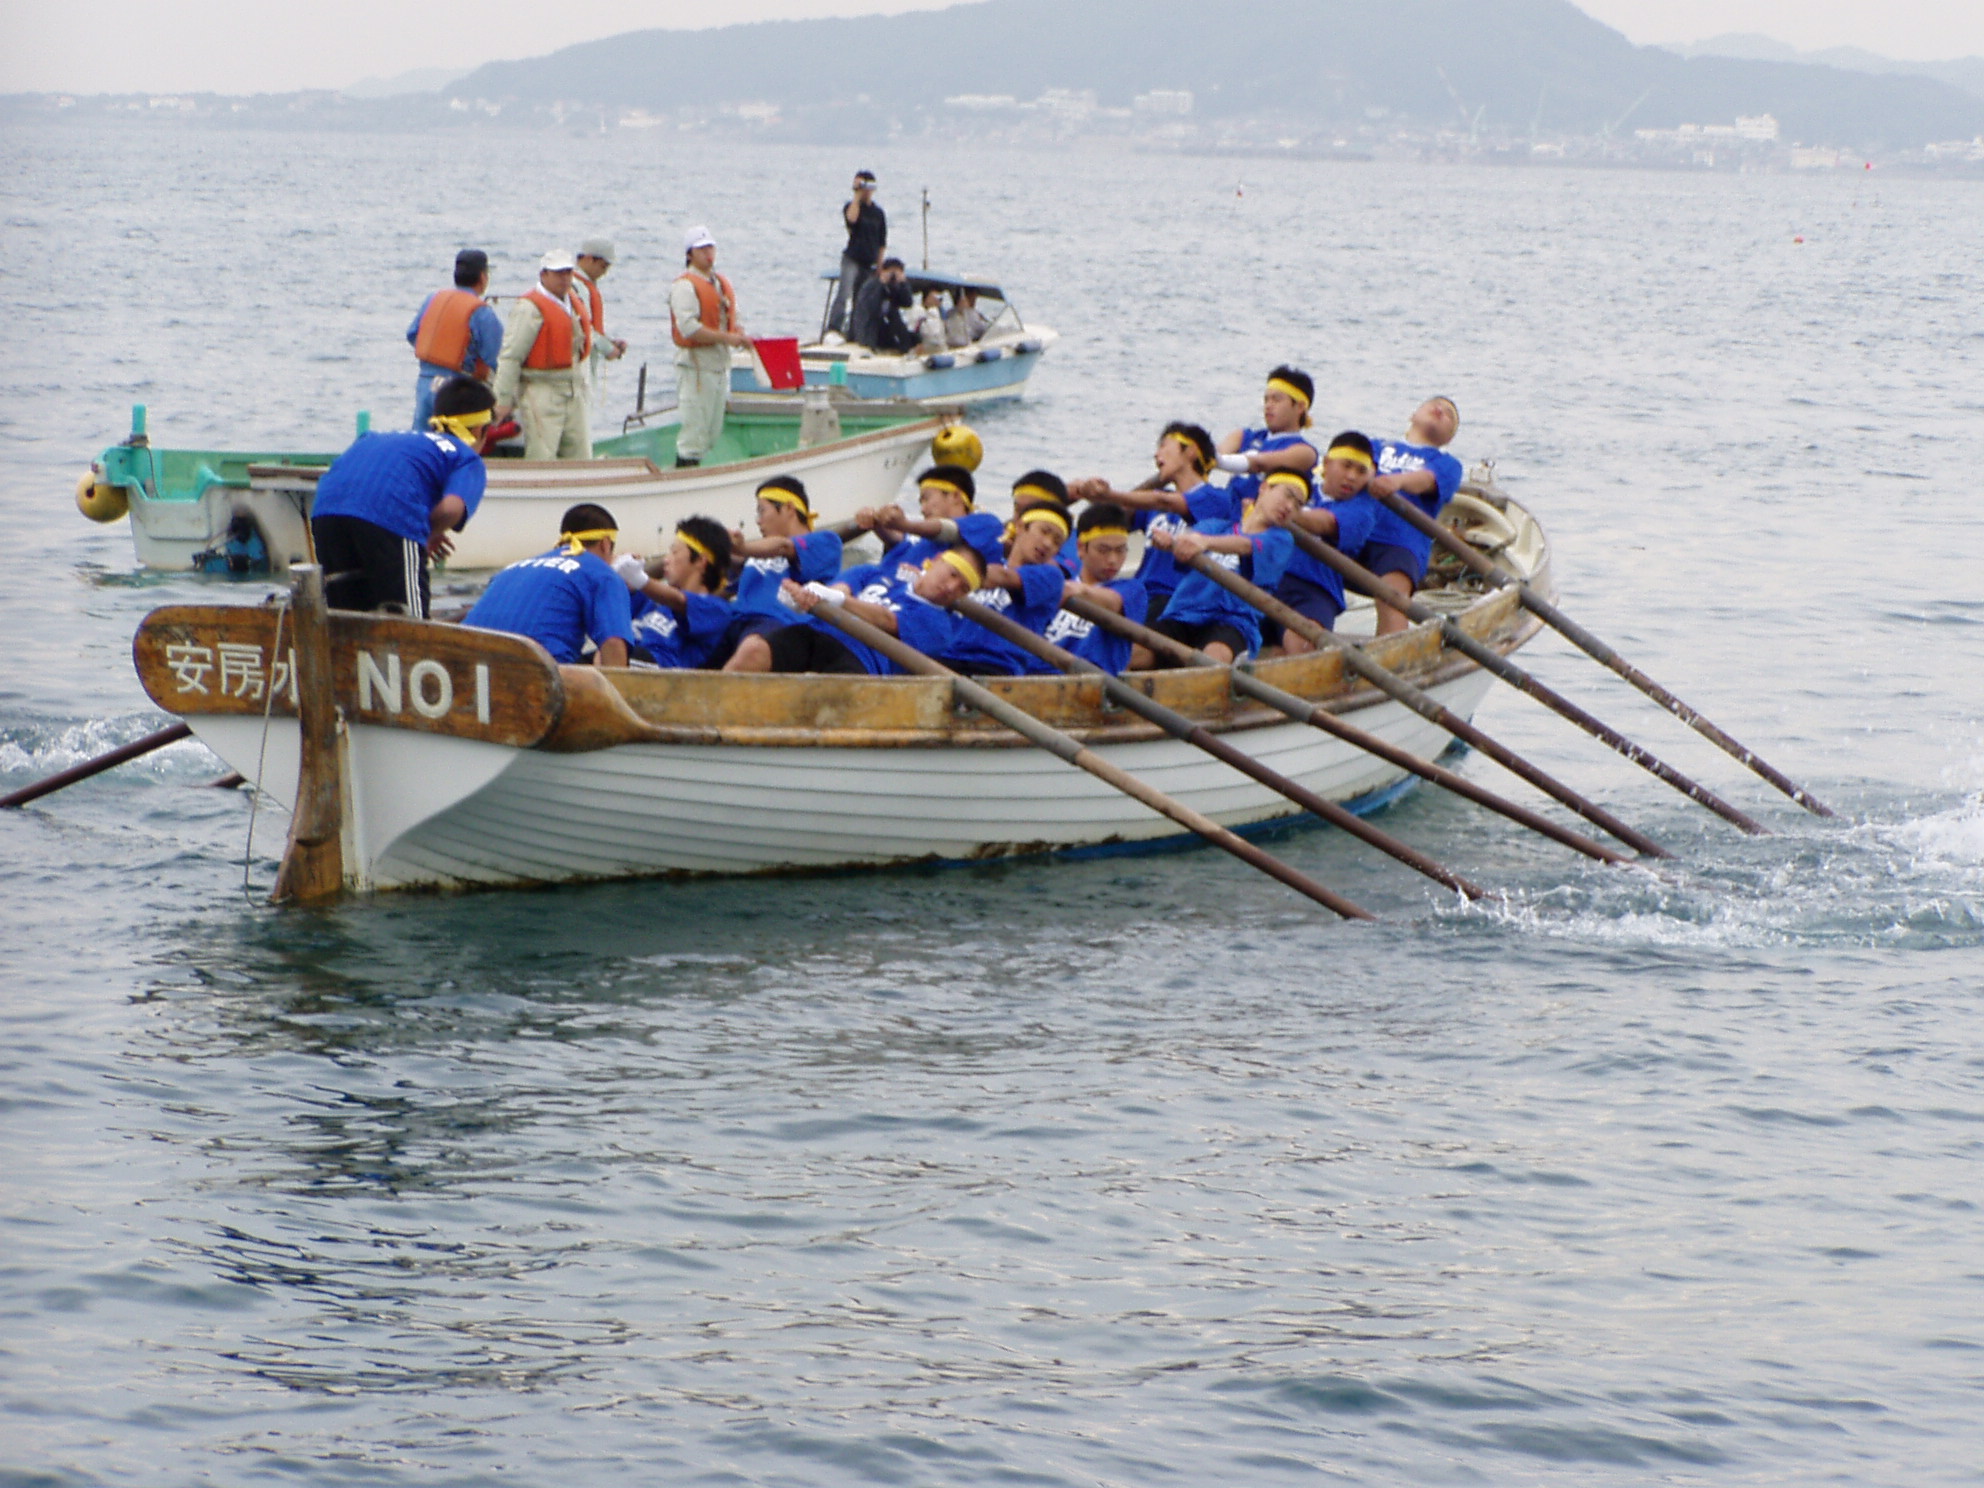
1079, 755
1557, 620
170, 734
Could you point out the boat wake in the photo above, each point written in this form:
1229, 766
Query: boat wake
29, 753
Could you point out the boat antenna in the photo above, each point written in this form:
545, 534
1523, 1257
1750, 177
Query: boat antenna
926, 229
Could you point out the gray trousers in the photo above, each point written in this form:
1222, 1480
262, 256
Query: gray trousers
853, 274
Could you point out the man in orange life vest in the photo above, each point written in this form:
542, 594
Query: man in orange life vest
595, 258
703, 309
455, 334
540, 373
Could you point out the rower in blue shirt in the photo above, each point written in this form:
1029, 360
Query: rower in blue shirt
947, 496
788, 549
680, 618
568, 596
1026, 588
1182, 499
917, 612
1257, 547
1103, 539
1418, 468
389, 503
1280, 443
1045, 488
455, 333
1341, 513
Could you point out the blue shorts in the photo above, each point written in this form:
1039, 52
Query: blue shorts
1384, 558
1311, 601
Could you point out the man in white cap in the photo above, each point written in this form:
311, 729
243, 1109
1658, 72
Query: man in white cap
546, 345
595, 257
703, 310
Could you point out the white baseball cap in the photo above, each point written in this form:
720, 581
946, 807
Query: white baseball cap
597, 248
697, 237
556, 262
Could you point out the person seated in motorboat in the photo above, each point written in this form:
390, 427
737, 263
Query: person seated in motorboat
1257, 547
1342, 512
1045, 488
681, 617
917, 611
966, 322
1182, 498
1104, 537
568, 596
1418, 468
947, 496
877, 322
1279, 443
788, 549
391, 501
1026, 588
928, 323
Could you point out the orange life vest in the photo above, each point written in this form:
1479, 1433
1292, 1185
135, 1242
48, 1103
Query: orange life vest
597, 319
716, 306
442, 339
552, 351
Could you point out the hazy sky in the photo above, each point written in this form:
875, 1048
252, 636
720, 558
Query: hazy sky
248, 46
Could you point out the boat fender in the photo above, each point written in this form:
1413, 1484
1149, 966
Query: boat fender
958, 444
941, 362
99, 500
1027, 347
990, 353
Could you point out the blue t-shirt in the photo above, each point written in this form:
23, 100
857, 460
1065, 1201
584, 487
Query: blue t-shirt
920, 624
1355, 518
1199, 601
396, 480
560, 600
485, 338
1159, 573
981, 530
1035, 606
1258, 441
816, 557
1089, 641
679, 642
1396, 457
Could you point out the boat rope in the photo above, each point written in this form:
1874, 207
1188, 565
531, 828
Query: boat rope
262, 753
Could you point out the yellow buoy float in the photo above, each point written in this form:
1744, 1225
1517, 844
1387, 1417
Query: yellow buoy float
99, 500
957, 444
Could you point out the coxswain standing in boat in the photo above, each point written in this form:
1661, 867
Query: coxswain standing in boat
947, 497
1026, 587
1419, 468
388, 504
594, 258
1342, 512
681, 617
1279, 443
916, 611
1257, 547
1103, 539
1183, 499
788, 548
702, 310
455, 334
541, 371
568, 596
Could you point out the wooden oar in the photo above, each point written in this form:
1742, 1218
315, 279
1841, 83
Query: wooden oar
1426, 706
1492, 661
1557, 620
1061, 746
1303, 711
168, 735
1200, 737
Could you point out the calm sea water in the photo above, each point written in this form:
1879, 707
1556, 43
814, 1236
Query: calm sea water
1132, 1172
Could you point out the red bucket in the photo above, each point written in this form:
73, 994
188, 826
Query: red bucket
780, 355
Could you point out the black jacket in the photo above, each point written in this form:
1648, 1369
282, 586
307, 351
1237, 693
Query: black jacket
877, 320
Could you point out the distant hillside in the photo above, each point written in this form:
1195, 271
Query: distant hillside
1966, 73
1505, 65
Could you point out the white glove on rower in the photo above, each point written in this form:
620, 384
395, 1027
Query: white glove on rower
633, 572
826, 593
1233, 464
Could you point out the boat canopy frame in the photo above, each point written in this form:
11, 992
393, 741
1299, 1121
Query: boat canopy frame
920, 280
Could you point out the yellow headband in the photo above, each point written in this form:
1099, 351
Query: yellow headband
962, 565
1039, 514
1283, 385
1094, 532
1286, 478
944, 485
1191, 447
693, 546
784, 497
1032, 490
574, 541
1351, 453
461, 425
